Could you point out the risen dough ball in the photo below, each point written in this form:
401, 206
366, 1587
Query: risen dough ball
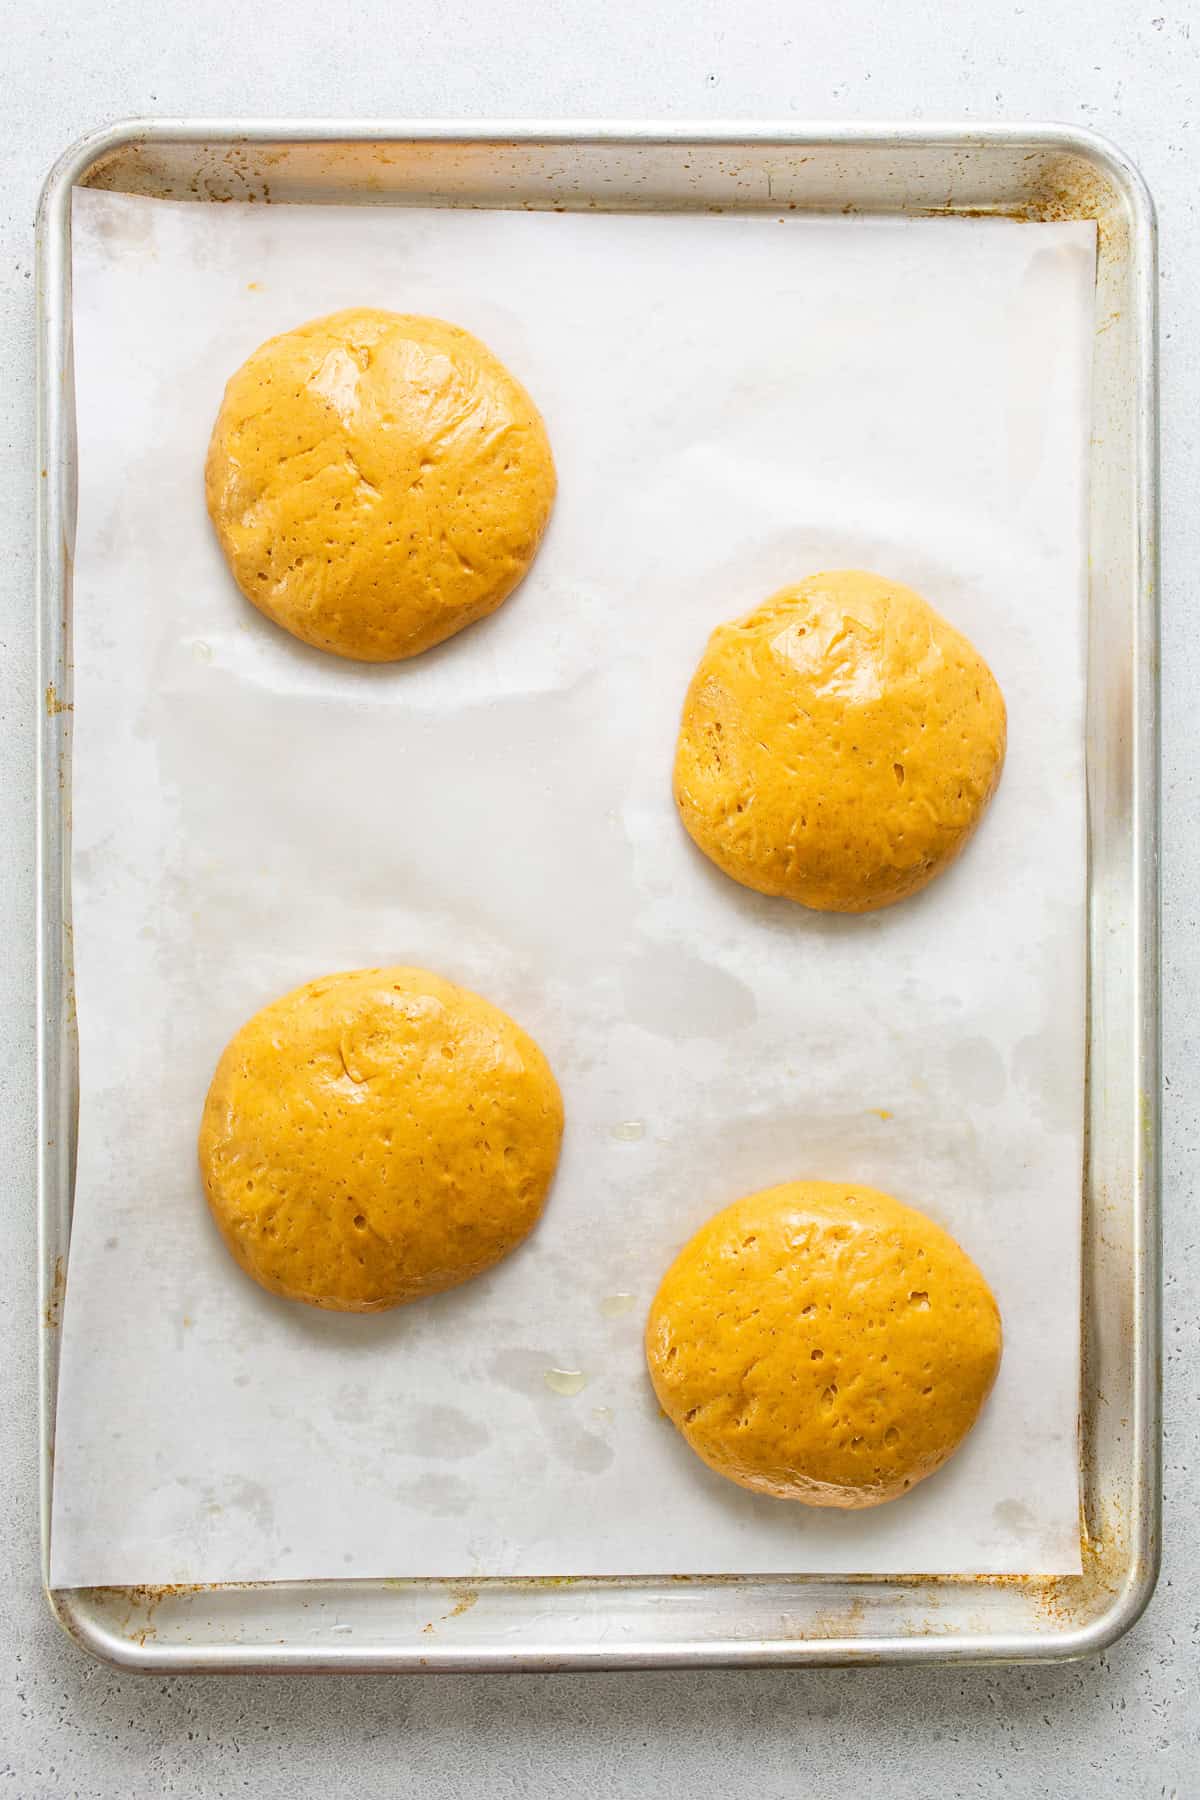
823, 1344
376, 1136
377, 481
839, 744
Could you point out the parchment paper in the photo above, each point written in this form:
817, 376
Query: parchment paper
733, 402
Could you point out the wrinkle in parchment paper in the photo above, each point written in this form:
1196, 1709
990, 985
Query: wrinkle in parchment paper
733, 403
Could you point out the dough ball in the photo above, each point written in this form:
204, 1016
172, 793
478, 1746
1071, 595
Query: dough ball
823, 1344
377, 481
376, 1136
839, 744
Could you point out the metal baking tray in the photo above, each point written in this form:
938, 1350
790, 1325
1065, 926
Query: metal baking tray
1028, 172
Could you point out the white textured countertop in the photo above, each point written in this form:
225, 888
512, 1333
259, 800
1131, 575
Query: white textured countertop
1128, 1721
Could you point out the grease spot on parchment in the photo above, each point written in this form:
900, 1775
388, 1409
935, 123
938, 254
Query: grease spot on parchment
565, 1382
1012, 1515
242, 1495
977, 1071
524, 1372
438, 1493
442, 1432
674, 994
1036, 1071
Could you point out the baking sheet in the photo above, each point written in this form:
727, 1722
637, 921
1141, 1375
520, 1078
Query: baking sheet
733, 402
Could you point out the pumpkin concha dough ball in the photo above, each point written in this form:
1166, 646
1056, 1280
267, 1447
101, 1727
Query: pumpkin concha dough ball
376, 1136
839, 744
377, 481
824, 1344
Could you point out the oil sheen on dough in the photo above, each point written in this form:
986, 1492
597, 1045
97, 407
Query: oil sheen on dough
377, 481
823, 1344
839, 744
375, 1136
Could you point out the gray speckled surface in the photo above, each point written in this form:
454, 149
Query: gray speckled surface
1127, 1722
